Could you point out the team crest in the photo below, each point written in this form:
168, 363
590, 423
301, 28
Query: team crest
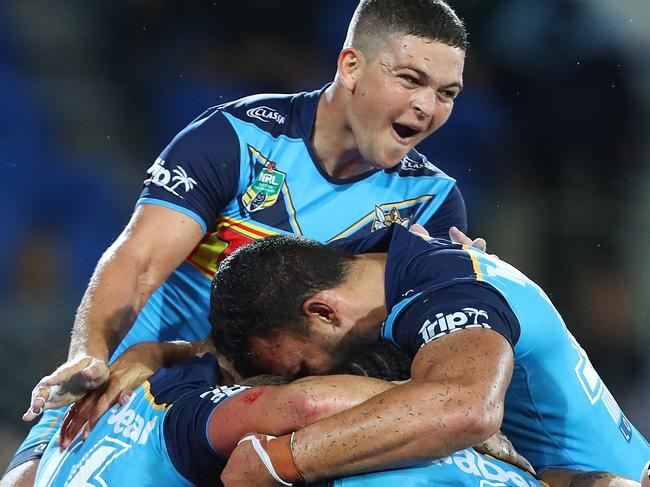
264, 190
384, 219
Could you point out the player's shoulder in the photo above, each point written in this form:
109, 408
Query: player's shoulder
291, 115
168, 384
415, 164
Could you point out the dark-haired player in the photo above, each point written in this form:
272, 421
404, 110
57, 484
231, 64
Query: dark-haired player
487, 345
326, 164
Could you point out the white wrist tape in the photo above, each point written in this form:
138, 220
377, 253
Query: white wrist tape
264, 456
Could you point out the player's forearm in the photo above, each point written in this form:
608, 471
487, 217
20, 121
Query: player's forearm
406, 425
118, 289
320, 397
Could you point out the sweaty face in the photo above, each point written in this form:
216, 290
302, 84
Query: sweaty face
403, 93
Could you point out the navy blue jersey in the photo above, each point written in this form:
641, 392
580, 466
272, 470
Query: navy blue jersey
159, 437
245, 170
558, 412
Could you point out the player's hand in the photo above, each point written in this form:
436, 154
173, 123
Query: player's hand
417, 228
130, 370
245, 469
500, 447
645, 476
66, 384
456, 235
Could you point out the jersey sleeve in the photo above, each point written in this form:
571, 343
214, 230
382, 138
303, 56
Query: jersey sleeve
198, 172
452, 212
186, 433
451, 309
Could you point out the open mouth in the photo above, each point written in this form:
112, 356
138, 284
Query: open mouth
403, 131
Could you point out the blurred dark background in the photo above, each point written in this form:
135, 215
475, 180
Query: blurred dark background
549, 142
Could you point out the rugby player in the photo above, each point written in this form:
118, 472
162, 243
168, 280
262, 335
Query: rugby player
487, 346
326, 164
181, 424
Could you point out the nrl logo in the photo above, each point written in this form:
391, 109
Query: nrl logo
264, 190
384, 219
265, 114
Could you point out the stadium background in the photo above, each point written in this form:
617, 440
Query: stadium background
548, 142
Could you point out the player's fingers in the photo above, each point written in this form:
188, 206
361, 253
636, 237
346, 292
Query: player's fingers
95, 374
455, 235
76, 418
525, 465
71, 424
65, 372
124, 396
88, 427
417, 228
38, 400
480, 244
35, 409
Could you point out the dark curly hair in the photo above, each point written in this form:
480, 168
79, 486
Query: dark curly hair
260, 289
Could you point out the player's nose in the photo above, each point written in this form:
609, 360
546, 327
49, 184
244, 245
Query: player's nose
424, 103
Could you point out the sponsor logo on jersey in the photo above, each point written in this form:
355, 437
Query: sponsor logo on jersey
218, 394
459, 320
128, 423
488, 473
264, 190
266, 115
173, 181
409, 164
384, 219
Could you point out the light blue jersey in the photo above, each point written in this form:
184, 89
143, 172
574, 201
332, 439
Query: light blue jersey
246, 170
558, 412
466, 468
158, 438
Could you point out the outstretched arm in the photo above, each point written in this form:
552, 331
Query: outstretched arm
154, 243
277, 410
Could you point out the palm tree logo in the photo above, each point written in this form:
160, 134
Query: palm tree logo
182, 178
476, 313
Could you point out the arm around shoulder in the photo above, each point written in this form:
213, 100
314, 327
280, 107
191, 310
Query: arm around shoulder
456, 397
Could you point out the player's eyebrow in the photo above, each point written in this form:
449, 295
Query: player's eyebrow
425, 77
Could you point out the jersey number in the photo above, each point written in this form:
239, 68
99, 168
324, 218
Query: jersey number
595, 390
88, 471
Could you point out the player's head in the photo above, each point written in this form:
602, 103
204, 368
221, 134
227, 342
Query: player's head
263, 310
380, 360
402, 65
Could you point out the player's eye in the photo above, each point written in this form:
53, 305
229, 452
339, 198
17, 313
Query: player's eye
449, 95
411, 80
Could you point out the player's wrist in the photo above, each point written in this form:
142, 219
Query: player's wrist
277, 456
281, 451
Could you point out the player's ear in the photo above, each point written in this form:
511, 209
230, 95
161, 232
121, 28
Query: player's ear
348, 67
320, 310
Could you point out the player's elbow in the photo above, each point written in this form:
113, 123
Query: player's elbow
473, 422
483, 420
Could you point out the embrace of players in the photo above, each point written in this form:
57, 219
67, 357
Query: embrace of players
274, 230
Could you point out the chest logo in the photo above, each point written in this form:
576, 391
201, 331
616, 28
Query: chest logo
264, 190
384, 219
